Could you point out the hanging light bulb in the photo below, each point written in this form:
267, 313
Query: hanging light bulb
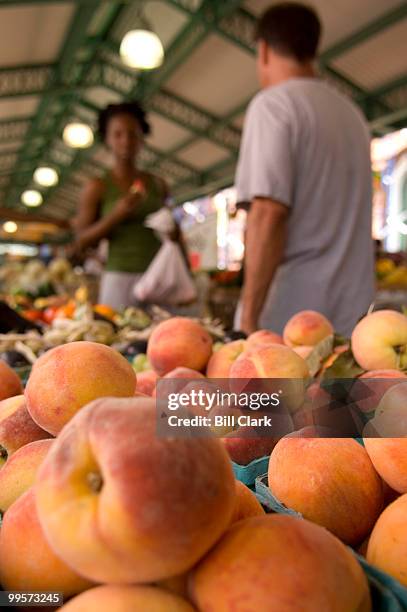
46, 177
10, 227
31, 198
78, 135
142, 49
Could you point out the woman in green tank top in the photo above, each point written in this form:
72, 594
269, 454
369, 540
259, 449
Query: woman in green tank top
111, 207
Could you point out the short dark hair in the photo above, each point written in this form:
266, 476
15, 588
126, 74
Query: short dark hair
124, 108
292, 29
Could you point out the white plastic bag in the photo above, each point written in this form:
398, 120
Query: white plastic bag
166, 280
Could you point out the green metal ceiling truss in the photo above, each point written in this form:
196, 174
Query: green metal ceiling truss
89, 58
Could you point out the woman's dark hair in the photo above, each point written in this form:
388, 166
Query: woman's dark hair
292, 29
125, 108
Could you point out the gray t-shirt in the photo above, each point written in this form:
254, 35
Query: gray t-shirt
308, 147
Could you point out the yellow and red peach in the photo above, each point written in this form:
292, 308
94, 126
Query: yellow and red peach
389, 457
126, 598
18, 473
247, 504
272, 563
68, 377
16, 427
244, 446
273, 361
382, 380
390, 417
262, 337
10, 383
379, 341
307, 328
330, 481
146, 382
27, 562
111, 494
221, 361
179, 342
387, 547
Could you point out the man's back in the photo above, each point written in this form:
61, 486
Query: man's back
308, 148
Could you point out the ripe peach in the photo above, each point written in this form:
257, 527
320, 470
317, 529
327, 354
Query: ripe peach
27, 562
146, 382
16, 427
303, 351
382, 380
279, 563
264, 336
245, 445
18, 474
126, 598
68, 377
390, 417
273, 361
111, 494
387, 547
184, 373
247, 504
330, 481
379, 341
389, 457
307, 328
220, 362
10, 383
179, 342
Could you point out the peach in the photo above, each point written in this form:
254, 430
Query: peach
379, 341
146, 382
27, 562
330, 481
387, 547
184, 373
389, 457
111, 494
68, 377
271, 362
126, 599
279, 563
382, 381
390, 417
247, 504
18, 474
179, 342
307, 328
10, 383
264, 336
16, 427
221, 361
303, 351
244, 445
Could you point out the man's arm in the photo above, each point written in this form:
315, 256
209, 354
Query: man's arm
265, 244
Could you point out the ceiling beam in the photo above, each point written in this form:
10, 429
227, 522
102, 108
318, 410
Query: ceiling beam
376, 26
68, 70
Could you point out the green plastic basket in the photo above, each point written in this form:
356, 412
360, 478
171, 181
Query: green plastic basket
388, 595
247, 474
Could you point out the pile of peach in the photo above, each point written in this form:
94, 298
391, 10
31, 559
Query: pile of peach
97, 506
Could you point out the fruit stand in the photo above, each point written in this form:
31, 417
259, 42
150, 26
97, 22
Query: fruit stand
121, 514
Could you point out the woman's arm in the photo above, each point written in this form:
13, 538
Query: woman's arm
89, 230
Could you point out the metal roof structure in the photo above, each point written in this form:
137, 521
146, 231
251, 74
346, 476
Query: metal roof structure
59, 61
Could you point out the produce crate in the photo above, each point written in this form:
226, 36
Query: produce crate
247, 474
388, 595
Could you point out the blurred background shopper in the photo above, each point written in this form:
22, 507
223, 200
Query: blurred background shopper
305, 169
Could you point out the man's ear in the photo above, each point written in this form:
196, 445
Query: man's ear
263, 50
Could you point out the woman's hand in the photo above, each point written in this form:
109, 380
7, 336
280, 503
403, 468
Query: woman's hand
126, 206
